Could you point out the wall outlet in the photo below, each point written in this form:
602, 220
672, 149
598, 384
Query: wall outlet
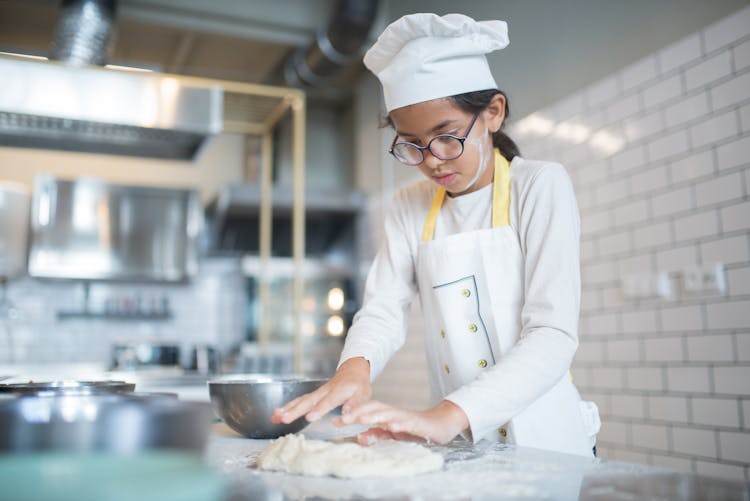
663, 285
704, 279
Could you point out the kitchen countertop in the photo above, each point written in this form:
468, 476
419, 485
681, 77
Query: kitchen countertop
485, 471
482, 472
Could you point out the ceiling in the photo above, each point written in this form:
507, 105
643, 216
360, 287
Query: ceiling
557, 46
225, 39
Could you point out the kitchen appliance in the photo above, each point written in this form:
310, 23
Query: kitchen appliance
76, 104
88, 229
14, 235
205, 359
120, 424
101, 110
14, 229
246, 402
142, 355
298, 331
327, 310
332, 221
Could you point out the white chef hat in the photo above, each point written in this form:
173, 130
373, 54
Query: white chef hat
420, 57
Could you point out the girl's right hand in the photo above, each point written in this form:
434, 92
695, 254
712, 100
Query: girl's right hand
349, 387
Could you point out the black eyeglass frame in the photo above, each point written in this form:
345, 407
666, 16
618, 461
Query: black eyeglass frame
421, 149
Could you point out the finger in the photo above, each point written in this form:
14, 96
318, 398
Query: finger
366, 408
408, 426
358, 399
397, 422
276, 416
289, 405
408, 437
373, 435
375, 413
302, 405
346, 418
413, 426
331, 400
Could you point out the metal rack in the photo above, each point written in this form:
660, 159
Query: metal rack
255, 109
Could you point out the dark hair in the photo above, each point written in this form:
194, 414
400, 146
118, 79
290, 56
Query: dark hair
474, 102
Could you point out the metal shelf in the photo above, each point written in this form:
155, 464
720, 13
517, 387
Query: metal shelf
103, 315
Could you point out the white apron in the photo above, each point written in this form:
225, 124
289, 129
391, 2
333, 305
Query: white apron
471, 288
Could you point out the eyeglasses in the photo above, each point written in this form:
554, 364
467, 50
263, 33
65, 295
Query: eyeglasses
443, 146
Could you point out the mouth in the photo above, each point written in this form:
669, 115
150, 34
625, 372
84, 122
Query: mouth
445, 180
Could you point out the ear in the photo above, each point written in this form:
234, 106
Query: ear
494, 113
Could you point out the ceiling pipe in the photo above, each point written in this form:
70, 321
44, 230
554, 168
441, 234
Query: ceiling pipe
71, 118
338, 45
84, 32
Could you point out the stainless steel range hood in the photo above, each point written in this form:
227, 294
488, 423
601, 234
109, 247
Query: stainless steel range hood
100, 110
332, 220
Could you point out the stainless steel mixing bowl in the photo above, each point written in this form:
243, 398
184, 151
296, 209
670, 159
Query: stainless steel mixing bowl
114, 423
67, 387
246, 402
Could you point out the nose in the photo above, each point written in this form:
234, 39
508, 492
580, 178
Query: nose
431, 161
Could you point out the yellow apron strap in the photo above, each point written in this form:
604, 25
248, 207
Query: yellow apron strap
500, 199
501, 192
428, 231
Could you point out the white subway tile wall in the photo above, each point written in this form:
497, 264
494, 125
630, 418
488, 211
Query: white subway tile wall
211, 309
663, 182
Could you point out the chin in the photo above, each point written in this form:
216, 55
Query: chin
454, 191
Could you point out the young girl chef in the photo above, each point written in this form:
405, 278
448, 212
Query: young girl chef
489, 240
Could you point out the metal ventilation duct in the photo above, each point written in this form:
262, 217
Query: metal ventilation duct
84, 31
73, 106
339, 44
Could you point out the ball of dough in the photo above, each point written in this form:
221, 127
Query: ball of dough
386, 458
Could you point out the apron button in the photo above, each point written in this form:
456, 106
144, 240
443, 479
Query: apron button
447, 369
442, 333
473, 327
466, 293
503, 433
482, 363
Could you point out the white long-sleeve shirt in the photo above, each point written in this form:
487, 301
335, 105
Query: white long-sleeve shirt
544, 215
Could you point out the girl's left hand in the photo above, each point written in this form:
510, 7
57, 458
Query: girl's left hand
439, 424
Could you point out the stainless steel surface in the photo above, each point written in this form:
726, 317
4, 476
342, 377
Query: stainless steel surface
92, 230
331, 218
14, 229
67, 387
51, 105
114, 423
84, 31
246, 403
